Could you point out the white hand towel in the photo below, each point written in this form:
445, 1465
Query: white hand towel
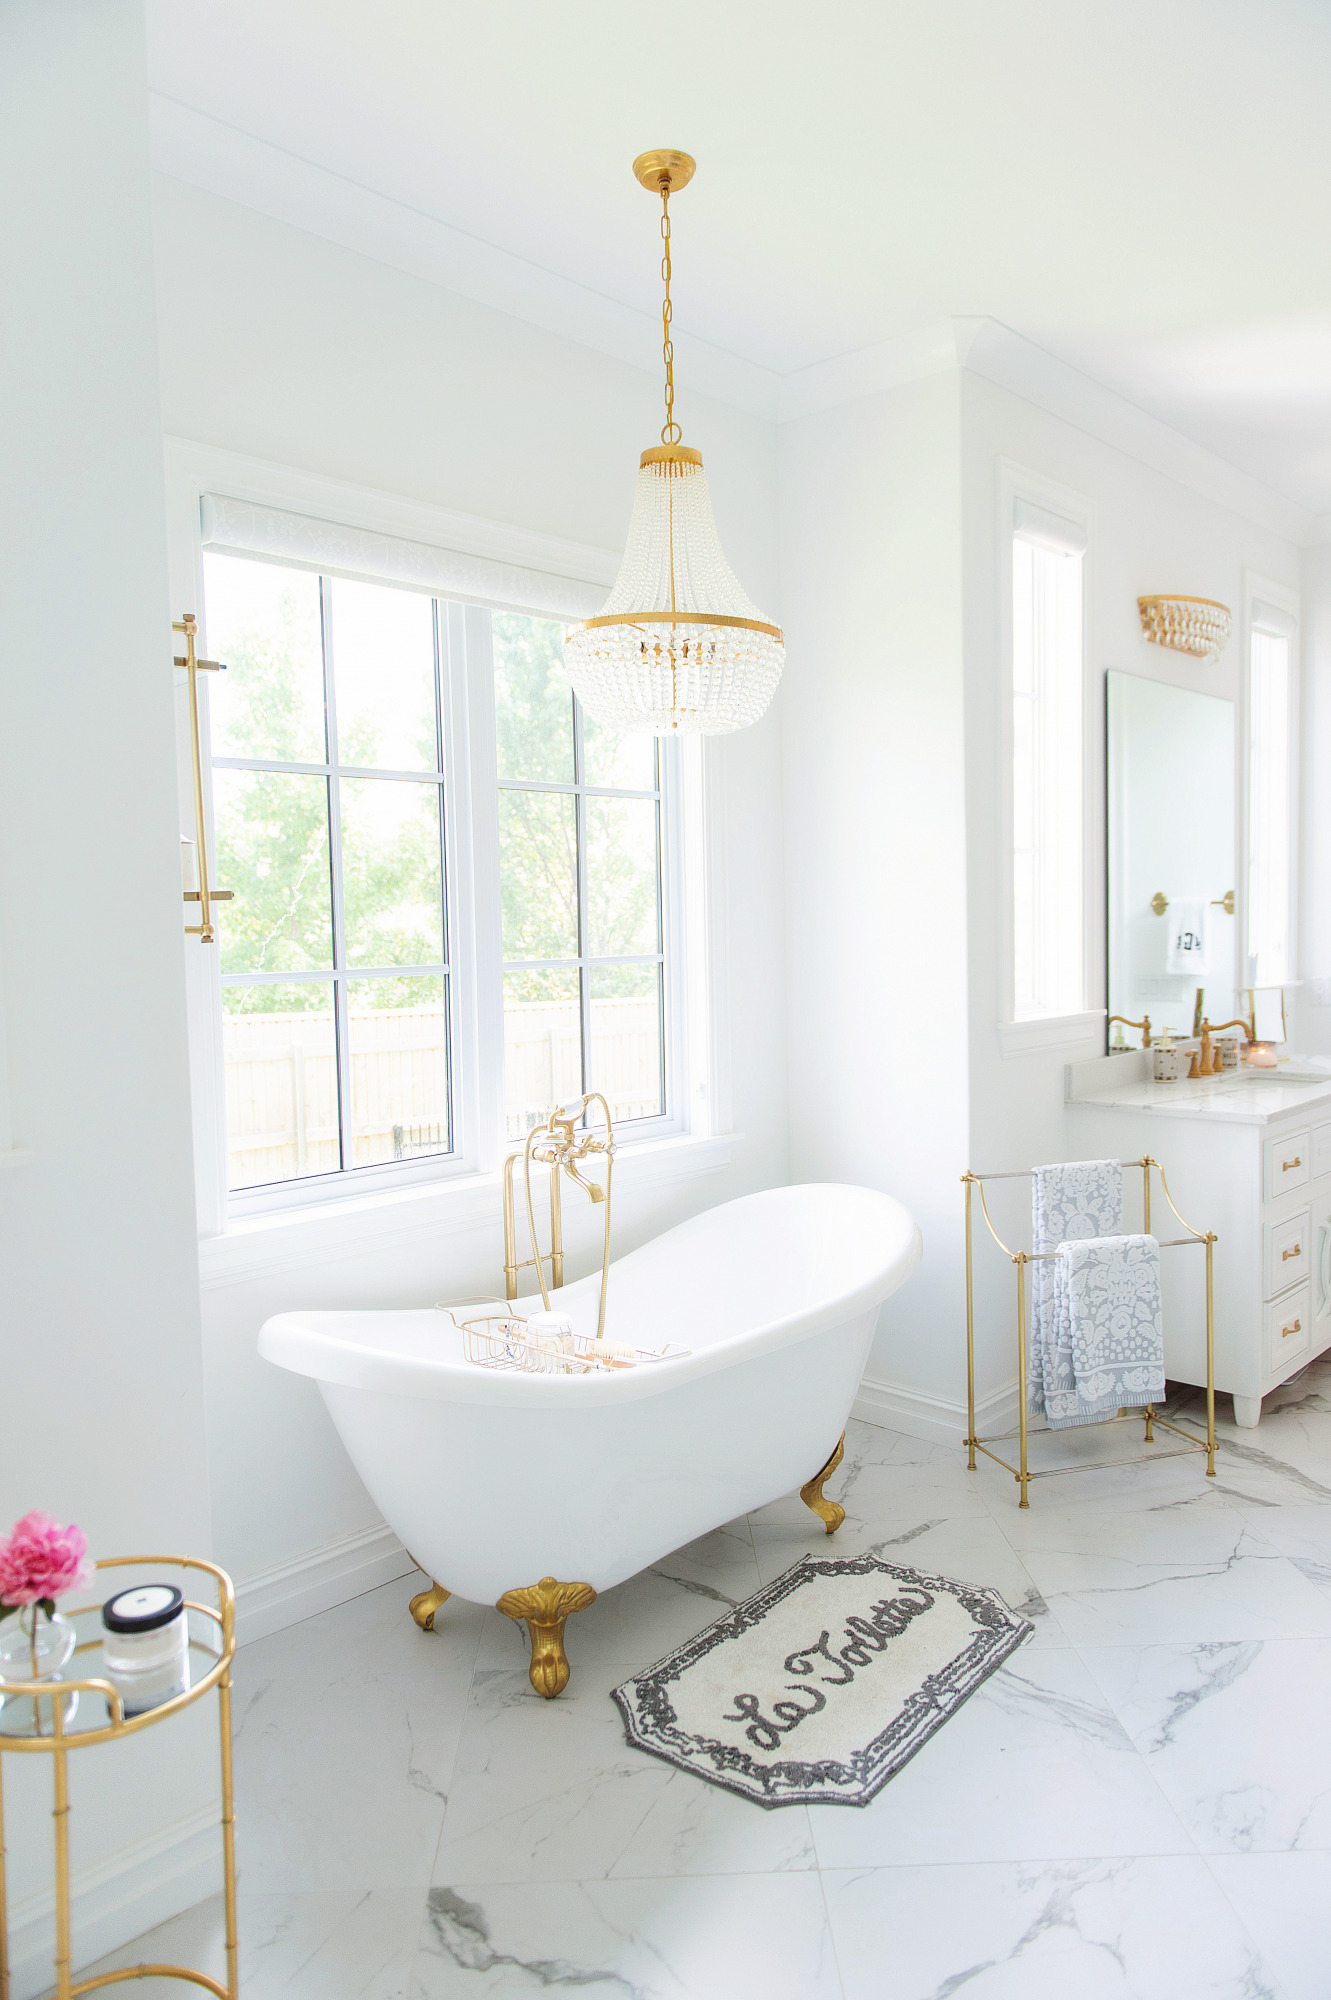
1188, 924
1078, 1200
1110, 1289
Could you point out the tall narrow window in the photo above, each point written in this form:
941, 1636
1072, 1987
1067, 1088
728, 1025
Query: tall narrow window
1047, 675
1270, 801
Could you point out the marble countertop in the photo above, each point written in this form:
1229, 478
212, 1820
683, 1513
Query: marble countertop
1238, 1097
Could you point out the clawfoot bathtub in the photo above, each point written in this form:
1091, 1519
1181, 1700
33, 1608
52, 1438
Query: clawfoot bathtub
537, 1491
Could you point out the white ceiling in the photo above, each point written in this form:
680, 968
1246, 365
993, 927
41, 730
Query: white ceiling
1140, 187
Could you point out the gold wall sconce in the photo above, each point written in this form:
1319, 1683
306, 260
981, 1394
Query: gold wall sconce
1194, 625
205, 896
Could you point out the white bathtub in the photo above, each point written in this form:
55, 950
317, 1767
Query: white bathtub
494, 1481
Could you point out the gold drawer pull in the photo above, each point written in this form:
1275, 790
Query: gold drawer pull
1286, 1331
1286, 1166
1297, 1251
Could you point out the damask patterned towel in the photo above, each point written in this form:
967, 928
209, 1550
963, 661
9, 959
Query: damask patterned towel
1112, 1284
1069, 1203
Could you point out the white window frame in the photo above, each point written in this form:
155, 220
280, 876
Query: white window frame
1021, 487
693, 943
1258, 592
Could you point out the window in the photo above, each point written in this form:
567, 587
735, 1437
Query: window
1270, 795
580, 880
345, 961
1047, 673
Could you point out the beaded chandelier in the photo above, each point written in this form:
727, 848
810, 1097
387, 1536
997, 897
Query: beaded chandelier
678, 648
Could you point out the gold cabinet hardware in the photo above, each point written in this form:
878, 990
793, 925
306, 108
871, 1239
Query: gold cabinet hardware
1297, 1251
205, 895
1159, 902
1225, 902
1286, 1331
1288, 1166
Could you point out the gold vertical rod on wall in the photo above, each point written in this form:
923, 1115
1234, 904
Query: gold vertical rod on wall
1024, 1476
204, 895
970, 1338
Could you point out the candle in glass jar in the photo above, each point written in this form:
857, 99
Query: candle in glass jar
145, 1651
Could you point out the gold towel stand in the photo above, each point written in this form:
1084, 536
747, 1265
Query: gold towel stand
1021, 1258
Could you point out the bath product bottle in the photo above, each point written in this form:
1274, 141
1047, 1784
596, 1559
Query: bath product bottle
145, 1654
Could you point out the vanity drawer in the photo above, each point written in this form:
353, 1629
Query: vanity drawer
1321, 1150
1289, 1331
1289, 1252
1288, 1163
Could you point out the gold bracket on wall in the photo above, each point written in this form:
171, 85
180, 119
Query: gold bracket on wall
204, 895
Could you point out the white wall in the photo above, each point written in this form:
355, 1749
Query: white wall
1149, 533
103, 1419
283, 346
875, 832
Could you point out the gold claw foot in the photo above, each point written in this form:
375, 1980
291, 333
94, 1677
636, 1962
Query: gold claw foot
545, 1606
827, 1511
426, 1603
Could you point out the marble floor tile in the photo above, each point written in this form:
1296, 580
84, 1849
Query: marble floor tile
685, 1938
1156, 1929
970, 1547
355, 1945
1237, 1735
1138, 1804
1245, 1590
1034, 1765
1282, 1901
346, 1727
1303, 1533
550, 1791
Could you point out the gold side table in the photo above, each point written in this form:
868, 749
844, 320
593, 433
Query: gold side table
58, 1742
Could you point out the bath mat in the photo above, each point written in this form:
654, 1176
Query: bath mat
821, 1685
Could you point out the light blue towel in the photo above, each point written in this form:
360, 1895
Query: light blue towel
1108, 1289
1073, 1202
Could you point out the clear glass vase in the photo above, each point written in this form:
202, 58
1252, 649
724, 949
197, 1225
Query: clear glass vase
34, 1647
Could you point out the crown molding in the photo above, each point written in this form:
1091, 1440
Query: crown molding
993, 351
869, 371
220, 159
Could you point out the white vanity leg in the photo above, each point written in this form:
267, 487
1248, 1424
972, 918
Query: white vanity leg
1247, 1412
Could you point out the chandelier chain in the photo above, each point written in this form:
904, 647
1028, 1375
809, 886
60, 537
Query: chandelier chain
670, 431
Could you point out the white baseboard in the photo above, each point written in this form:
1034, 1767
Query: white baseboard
118, 1899
935, 1418
318, 1580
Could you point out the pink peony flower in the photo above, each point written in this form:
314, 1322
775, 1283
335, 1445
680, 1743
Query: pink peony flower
40, 1559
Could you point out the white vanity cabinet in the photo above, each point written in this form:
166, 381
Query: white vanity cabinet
1249, 1156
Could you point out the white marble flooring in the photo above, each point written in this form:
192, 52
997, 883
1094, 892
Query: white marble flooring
1137, 1804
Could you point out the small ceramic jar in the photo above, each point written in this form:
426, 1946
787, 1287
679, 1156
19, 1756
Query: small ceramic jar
1168, 1065
145, 1653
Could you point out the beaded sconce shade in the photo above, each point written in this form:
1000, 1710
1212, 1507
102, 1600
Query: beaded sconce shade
678, 648
1196, 625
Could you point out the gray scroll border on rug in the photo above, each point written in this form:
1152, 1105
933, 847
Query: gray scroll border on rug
650, 1720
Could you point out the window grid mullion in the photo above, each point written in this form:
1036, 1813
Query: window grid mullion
340, 1003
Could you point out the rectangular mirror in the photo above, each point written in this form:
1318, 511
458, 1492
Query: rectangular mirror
1172, 864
